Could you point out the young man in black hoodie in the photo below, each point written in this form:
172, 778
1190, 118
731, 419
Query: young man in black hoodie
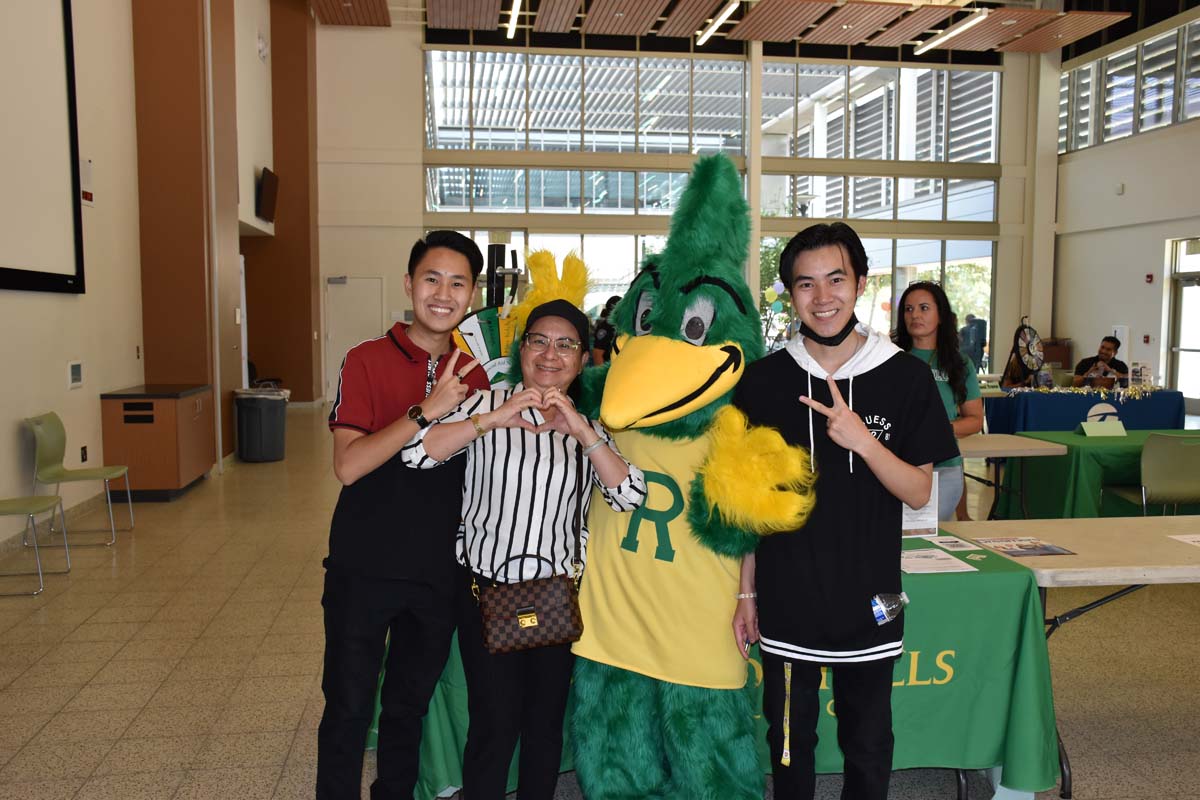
871, 418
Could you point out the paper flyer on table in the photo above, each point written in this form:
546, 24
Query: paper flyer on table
953, 543
923, 521
930, 560
1188, 538
1024, 546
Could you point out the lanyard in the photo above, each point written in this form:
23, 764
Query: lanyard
429, 375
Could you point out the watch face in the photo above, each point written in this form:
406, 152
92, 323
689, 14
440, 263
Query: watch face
414, 413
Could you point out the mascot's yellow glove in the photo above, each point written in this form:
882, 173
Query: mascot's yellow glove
756, 480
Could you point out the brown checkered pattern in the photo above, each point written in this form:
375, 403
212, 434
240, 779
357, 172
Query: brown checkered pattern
555, 602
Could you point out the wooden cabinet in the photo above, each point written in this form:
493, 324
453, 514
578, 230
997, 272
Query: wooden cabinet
164, 434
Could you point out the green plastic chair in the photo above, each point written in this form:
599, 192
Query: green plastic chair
51, 445
1170, 474
30, 507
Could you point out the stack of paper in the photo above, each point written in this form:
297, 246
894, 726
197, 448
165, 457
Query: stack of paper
931, 559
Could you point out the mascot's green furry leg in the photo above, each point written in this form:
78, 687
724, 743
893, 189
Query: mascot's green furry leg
618, 749
637, 738
711, 744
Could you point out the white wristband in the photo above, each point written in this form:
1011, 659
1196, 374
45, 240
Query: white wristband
746, 595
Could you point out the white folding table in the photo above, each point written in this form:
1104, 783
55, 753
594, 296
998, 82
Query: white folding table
1004, 445
1132, 552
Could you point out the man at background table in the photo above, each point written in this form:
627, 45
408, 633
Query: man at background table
1104, 368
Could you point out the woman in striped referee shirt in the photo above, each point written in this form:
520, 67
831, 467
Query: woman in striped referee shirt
520, 503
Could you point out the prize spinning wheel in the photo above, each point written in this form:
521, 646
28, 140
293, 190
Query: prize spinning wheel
1027, 349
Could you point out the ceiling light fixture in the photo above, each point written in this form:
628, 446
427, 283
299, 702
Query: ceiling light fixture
512, 19
725, 14
954, 30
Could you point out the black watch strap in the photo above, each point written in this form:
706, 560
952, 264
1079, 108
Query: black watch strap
418, 416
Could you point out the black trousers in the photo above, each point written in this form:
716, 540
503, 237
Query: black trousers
511, 696
862, 699
359, 613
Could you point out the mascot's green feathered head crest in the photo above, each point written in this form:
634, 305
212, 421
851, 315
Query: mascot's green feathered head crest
688, 325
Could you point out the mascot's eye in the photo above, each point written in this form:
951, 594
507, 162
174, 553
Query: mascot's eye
697, 320
641, 319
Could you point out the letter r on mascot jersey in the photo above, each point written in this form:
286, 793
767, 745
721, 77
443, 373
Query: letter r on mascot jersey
660, 710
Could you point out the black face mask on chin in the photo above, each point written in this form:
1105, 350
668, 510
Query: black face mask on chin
830, 341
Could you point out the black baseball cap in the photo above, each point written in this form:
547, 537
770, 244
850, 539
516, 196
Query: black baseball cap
564, 309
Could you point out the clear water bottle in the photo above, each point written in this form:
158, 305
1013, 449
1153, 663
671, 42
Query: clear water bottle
886, 607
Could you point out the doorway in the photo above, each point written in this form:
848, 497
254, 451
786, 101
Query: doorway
1185, 328
354, 312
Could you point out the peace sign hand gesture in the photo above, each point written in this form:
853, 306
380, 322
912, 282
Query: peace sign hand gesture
846, 428
450, 389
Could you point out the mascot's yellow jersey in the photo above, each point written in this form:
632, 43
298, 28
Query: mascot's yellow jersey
654, 600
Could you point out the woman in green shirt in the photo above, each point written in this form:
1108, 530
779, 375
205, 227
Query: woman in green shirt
928, 328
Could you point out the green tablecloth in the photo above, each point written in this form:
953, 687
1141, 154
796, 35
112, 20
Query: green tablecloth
972, 689
1064, 487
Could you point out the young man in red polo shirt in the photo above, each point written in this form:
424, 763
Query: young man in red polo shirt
391, 543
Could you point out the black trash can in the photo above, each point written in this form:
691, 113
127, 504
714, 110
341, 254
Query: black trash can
261, 423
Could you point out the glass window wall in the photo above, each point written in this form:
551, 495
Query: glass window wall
974, 116
498, 101
555, 119
873, 109
554, 191
874, 307
718, 106
1120, 76
610, 86
608, 192
778, 121
1191, 71
664, 105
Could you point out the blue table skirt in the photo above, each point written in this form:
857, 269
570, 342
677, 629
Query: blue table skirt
1050, 411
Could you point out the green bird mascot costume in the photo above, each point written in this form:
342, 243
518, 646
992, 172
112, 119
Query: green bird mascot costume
661, 709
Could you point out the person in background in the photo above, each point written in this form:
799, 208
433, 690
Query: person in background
390, 568
1015, 377
972, 338
1103, 369
604, 333
927, 329
519, 507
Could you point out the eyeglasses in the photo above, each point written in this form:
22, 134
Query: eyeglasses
538, 344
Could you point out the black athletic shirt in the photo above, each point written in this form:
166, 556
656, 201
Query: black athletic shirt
815, 584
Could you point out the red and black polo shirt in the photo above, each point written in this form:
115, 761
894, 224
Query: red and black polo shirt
395, 522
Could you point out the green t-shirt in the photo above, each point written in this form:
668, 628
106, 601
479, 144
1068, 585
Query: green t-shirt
947, 394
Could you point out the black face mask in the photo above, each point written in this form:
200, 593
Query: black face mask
830, 341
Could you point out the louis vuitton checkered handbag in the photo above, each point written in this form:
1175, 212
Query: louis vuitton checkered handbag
537, 613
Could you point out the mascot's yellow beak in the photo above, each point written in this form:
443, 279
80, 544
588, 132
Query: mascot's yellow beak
653, 379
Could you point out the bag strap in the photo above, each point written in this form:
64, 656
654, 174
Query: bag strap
577, 556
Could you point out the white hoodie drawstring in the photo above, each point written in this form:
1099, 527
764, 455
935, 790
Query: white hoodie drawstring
851, 409
812, 459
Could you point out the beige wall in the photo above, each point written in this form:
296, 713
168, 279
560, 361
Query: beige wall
370, 136
42, 332
252, 18
1108, 242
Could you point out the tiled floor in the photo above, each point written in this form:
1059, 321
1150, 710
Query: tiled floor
184, 662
